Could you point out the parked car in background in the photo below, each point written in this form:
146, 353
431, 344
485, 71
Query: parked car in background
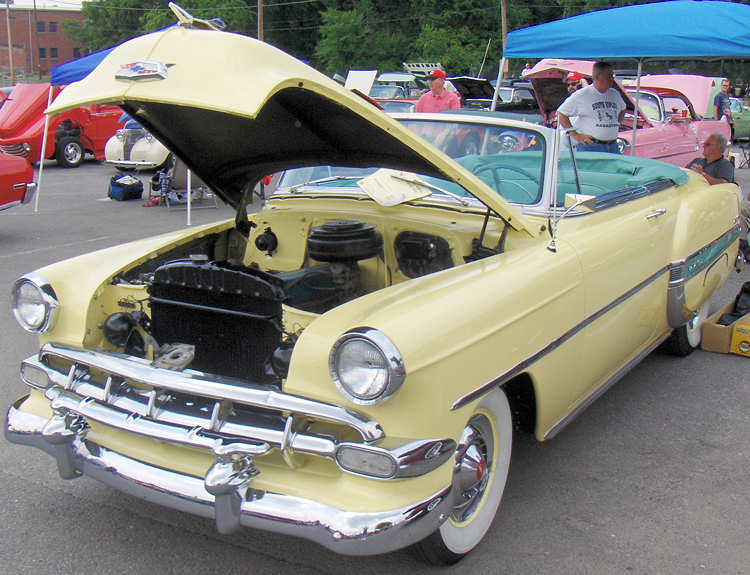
16, 181
348, 364
398, 105
409, 85
741, 117
668, 126
134, 148
70, 136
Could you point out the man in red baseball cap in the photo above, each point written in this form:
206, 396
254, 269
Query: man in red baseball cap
438, 98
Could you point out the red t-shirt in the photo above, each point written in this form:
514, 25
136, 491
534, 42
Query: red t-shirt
429, 102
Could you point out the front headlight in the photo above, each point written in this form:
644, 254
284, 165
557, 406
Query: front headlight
623, 145
366, 366
34, 303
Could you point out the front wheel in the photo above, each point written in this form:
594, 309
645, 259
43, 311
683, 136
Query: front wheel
69, 152
480, 472
687, 338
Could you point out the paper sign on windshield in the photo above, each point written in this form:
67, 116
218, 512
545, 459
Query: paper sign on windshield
393, 187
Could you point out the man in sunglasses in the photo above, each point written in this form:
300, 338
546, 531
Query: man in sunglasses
598, 110
713, 165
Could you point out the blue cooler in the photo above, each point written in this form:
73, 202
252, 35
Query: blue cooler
125, 188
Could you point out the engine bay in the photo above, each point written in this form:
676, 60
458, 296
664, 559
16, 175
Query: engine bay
215, 312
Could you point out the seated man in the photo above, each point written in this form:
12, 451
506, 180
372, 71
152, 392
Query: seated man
713, 165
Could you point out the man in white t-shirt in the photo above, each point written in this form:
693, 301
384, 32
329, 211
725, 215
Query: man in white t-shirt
598, 110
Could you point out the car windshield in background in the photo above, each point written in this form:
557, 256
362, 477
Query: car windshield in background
508, 160
387, 92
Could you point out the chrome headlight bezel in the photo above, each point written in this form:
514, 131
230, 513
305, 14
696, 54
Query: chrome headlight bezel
394, 364
47, 297
623, 145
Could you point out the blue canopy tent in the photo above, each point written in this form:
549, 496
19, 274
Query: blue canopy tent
672, 30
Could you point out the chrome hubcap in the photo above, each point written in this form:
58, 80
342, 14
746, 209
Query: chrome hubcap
72, 153
472, 467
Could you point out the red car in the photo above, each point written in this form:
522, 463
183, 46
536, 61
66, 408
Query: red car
70, 135
16, 181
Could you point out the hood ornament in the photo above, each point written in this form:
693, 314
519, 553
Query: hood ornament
142, 70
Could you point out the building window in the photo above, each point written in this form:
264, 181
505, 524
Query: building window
76, 52
52, 27
42, 53
53, 52
40, 26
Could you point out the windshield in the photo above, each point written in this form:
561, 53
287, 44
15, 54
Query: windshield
509, 160
505, 94
387, 92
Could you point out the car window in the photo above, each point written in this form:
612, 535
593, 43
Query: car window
649, 105
676, 107
387, 92
735, 105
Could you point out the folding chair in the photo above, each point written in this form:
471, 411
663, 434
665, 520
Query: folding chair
169, 188
744, 154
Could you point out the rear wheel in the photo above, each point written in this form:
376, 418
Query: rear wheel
687, 338
69, 152
480, 472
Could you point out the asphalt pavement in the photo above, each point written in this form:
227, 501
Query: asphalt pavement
654, 478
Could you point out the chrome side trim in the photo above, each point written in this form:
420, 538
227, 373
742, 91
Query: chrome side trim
682, 270
201, 384
519, 367
678, 272
346, 532
599, 391
29, 193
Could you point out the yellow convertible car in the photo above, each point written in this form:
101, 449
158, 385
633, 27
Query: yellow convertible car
349, 364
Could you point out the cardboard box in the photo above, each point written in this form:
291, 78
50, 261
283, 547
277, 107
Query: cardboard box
734, 338
741, 336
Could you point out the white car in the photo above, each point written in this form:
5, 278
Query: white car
134, 148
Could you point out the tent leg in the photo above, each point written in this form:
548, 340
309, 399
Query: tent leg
500, 73
42, 153
637, 105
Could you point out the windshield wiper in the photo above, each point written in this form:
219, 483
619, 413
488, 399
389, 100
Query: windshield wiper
461, 200
296, 187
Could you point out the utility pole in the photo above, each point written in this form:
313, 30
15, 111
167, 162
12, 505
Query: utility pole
10, 43
260, 20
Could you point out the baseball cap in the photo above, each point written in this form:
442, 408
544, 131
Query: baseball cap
437, 74
575, 77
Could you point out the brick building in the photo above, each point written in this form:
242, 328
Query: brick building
38, 40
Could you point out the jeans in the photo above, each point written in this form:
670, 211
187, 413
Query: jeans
597, 147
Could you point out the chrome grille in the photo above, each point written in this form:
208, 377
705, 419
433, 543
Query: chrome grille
15, 149
188, 407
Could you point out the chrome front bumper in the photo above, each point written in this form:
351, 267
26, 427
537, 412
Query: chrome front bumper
231, 505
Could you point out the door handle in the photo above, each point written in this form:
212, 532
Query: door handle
656, 213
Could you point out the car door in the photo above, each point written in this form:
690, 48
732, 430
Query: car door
623, 251
681, 131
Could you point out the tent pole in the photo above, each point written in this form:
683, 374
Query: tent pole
637, 104
189, 195
42, 153
499, 81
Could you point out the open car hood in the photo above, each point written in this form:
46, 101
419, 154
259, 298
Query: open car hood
235, 110
470, 87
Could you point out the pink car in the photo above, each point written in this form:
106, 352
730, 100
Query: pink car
668, 127
16, 181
